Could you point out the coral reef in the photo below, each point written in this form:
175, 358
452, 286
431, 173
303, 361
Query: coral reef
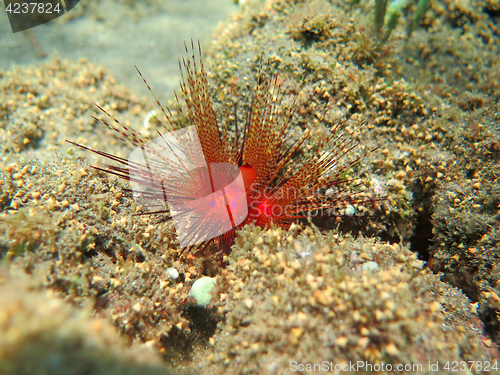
432, 105
305, 297
302, 295
41, 106
42, 334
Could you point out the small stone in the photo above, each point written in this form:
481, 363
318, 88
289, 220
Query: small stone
370, 266
301, 317
350, 210
320, 297
435, 306
318, 257
363, 342
150, 345
297, 332
390, 305
391, 349
96, 279
82, 172
137, 307
341, 341
201, 290
172, 273
356, 316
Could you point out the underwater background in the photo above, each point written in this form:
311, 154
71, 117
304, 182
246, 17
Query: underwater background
412, 280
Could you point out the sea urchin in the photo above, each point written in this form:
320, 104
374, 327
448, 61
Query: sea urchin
211, 183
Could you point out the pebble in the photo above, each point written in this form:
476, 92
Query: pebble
370, 266
350, 210
172, 273
201, 290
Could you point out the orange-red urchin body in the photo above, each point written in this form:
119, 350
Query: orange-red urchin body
275, 193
